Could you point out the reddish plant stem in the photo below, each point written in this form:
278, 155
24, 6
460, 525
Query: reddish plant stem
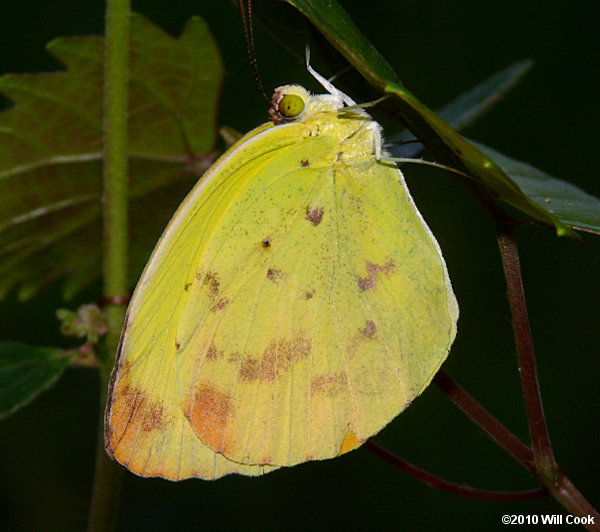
456, 489
540, 439
486, 421
557, 483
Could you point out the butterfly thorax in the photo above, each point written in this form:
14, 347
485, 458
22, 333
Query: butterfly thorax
356, 135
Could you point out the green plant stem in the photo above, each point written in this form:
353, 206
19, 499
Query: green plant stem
108, 476
555, 481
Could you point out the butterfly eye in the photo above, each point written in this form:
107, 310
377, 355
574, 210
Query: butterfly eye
291, 106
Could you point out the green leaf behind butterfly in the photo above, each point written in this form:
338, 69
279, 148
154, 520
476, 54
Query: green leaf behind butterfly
26, 371
468, 107
571, 205
445, 143
51, 151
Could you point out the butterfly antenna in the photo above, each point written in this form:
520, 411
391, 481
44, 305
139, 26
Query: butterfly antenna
325, 83
247, 18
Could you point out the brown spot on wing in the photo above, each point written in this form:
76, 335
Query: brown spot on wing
208, 413
213, 353
369, 330
331, 384
234, 358
315, 216
212, 284
279, 356
266, 242
220, 305
366, 283
365, 333
304, 163
274, 275
374, 271
309, 294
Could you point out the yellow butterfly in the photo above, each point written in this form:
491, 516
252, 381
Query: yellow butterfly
296, 303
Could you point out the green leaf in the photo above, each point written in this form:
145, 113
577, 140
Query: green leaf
26, 371
445, 143
335, 24
571, 205
51, 151
469, 106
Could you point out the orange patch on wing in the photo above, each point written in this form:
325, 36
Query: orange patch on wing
351, 441
124, 369
374, 271
280, 355
208, 413
154, 418
132, 412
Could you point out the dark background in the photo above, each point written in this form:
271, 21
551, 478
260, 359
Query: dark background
439, 49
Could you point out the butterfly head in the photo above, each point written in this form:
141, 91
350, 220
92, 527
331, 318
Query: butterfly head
293, 102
